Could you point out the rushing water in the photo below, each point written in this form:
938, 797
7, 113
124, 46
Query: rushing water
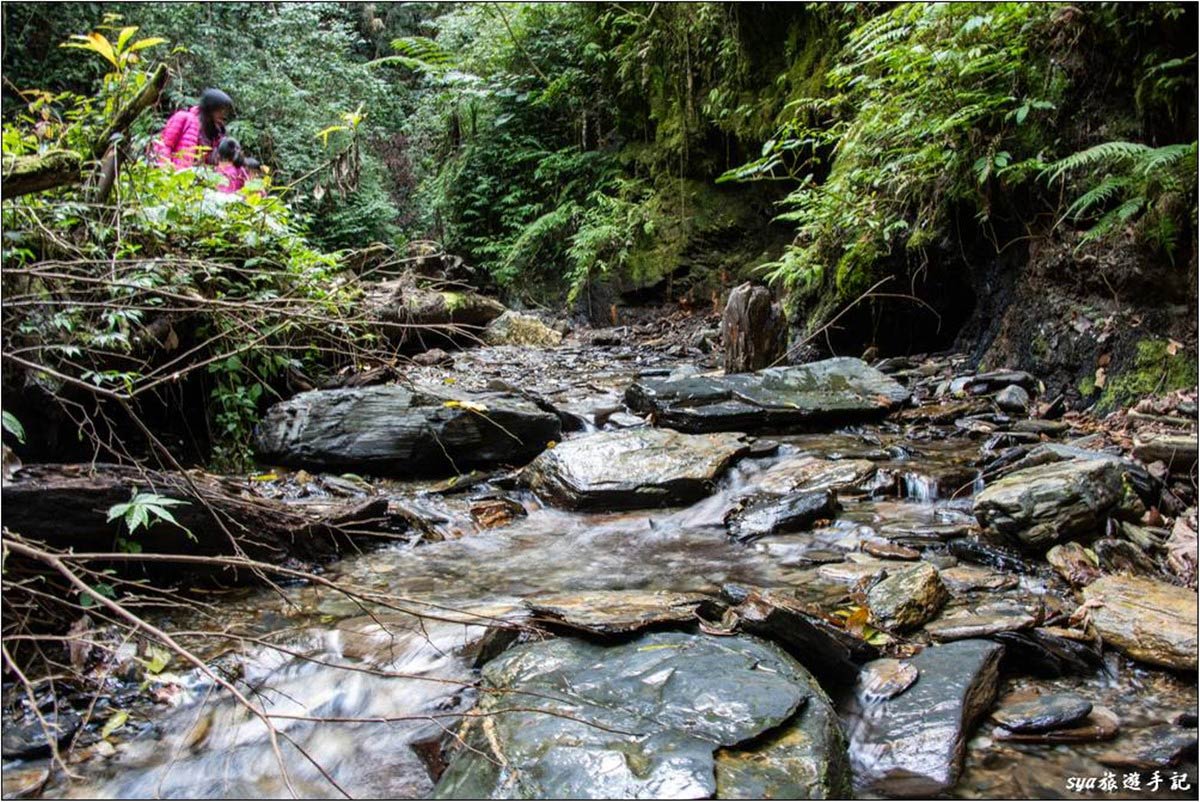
384, 678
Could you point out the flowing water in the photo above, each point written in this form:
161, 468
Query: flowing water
388, 675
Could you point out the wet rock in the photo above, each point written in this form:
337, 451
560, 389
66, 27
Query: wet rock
1178, 451
761, 447
1145, 619
1101, 725
803, 629
981, 623
851, 573
966, 578
907, 598
883, 679
1049, 652
981, 552
833, 390
984, 383
1122, 557
1013, 398
492, 512
632, 468
616, 611
24, 783
890, 551
400, 431
924, 534
912, 745
29, 739
1042, 713
1051, 428
433, 357
1158, 747
513, 328
767, 516
1039, 506
803, 474
944, 413
643, 719
1074, 563
623, 420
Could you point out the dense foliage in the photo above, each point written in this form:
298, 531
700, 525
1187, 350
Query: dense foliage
562, 148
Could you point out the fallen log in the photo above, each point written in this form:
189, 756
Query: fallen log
66, 507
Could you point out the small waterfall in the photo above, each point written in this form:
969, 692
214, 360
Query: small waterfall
919, 487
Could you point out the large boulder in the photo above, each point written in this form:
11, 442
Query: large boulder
912, 744
1041, 505
401, 431
569, 719
633, 468
1145, 619
513, 328
830, 391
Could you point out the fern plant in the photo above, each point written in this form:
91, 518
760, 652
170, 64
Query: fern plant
1132, 185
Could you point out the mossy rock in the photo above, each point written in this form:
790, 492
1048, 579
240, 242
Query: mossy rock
1155, 370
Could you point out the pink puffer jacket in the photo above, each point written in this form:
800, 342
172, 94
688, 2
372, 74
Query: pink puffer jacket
235, 177
183, 143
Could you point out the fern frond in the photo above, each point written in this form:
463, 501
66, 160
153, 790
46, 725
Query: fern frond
1098, 195
1109, 153
1166, 156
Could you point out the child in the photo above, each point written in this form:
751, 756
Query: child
254, 172
230, 164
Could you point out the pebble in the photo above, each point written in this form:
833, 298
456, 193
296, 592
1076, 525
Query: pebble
1043, 713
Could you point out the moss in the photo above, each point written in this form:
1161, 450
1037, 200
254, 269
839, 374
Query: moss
1154, 371
453, 300
1039, 347
680, 212
1086, 386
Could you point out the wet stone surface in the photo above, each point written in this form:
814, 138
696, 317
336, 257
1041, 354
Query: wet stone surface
1042, 713
644, 719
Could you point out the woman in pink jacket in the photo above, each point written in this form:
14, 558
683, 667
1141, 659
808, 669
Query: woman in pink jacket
193, 135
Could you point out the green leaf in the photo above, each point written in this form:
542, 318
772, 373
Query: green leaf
115, 722
12, 426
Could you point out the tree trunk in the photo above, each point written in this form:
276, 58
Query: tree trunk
66, 505
753, 329
26, 174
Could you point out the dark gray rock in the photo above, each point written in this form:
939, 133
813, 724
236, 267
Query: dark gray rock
1042, 505
643, 719
29, 738
399, 431
912, 745
830, 391
753, 329
632, 468
768, 516
1043, 713
1013, 398
1158, 747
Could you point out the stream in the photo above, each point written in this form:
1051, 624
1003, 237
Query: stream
388, 682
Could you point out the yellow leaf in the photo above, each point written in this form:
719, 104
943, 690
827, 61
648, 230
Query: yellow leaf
470, 406
124, 36
115, 722
159, 658
264, 477
142, 44
102, 46
551, 444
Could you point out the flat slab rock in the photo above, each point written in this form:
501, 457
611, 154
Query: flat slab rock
807, 473
666, 715
1157, 747
617, 611
632, 469
912, 745
981, 623
396, 430
829, 391
1042, 713
1145, 619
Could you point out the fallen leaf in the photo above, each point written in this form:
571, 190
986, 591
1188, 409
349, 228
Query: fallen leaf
1173, 347
115, 722
1104, 360
1101, 378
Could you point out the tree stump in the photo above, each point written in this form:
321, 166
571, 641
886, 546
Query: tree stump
753, 329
